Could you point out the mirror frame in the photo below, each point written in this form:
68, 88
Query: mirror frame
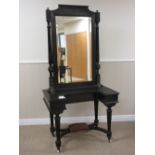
79, 11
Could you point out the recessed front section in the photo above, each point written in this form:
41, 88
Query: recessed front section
74, 49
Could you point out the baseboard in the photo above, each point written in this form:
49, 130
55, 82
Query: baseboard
65, 120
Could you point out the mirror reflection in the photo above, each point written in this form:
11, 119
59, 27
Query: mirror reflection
74, 56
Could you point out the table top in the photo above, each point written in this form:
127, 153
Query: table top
105, 95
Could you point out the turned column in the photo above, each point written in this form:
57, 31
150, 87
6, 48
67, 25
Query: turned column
96, 121
52, 129
57, 127
109, 117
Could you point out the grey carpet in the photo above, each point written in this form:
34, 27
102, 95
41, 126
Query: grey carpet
37, 140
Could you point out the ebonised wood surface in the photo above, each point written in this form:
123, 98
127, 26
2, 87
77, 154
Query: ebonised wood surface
57, 96
105, 94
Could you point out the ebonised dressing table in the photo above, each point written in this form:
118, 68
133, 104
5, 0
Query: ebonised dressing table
73, 52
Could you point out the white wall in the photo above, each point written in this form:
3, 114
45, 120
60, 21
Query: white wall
116, 28
77, 26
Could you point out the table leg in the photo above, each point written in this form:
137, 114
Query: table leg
109, 114
57, 126
52, 129
96, 111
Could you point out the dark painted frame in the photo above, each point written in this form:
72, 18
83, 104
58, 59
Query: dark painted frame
70, 10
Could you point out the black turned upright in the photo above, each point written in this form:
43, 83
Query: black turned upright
59, 94
57, 125
50, 53
109, 117
97, 20
96, 121
52, 129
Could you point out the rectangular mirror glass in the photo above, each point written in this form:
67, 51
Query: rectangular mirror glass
74, 49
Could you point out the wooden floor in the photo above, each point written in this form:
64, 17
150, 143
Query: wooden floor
37, 140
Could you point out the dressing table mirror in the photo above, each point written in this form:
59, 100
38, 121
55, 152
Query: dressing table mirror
73, 56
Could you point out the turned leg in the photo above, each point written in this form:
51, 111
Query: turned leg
52, 129
57, 127
96, 111
109, 114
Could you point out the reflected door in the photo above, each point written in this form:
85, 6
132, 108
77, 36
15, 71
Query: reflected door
77, 50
